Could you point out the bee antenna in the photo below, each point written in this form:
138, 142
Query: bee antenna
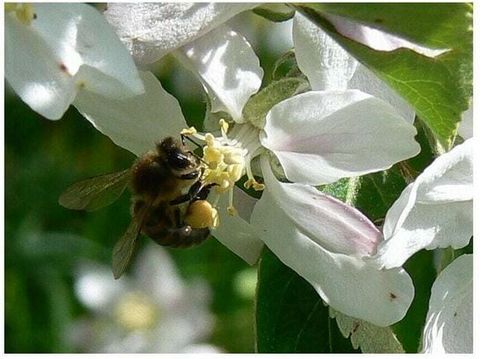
185, 137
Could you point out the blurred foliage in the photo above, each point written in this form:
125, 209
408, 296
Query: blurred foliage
44, 241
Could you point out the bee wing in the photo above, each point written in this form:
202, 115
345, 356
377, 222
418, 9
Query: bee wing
96, 192
123, 249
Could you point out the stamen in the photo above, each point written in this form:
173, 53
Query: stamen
224, 128
231, 209
25, 13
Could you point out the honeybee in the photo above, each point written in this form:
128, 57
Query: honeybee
168, 200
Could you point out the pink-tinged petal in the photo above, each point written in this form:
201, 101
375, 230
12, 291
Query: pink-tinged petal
228, 68
329, 67
322, 136
345, 282
151, 30
235, 232
436, 211
138, 122
377, 39
330, 223
449, 323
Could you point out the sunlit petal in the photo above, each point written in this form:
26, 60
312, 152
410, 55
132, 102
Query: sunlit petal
235, 232
329, 67
228, 68
135, 123
330, 223
377, 39
322, 136
151, 30
345, 282
38, 80
449, 323
434, 211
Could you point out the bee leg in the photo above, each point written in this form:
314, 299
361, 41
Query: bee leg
196, 192
203, 192
190, 176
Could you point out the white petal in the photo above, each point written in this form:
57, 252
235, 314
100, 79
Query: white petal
466, 125
80, 37
322, 136
377, 39
449, 178
332, 224
152, 30
449, 323
33, 71
346, 283
138, 122
228, 68
435, 211
235, 232
365, 80
95, 287
327, 65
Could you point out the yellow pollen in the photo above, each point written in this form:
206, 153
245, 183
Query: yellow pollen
223, 125
232, 211
135, 311
251, 182
201, 214
25, 12
189, 131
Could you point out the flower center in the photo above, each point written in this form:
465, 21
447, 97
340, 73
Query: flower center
24, 12
135, 311
228, 157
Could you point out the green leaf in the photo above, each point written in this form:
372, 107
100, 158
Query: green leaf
274, 12
290, 315
438, 88
370, 338
258, 105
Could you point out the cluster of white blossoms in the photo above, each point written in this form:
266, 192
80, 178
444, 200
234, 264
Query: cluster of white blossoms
349, 124
152, 311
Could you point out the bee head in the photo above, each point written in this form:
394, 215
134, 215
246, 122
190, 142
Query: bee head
176, 156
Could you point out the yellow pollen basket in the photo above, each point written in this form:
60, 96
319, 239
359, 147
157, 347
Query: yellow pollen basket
225, 161
24, 12
201, 214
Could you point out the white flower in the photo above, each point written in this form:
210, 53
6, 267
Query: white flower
54, 51
449, 323
318, 137
436, 211
154, 311
316, 51
151, 30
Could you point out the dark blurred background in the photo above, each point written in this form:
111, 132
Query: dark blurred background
44, 242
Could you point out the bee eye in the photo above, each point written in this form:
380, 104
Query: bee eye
178, 160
